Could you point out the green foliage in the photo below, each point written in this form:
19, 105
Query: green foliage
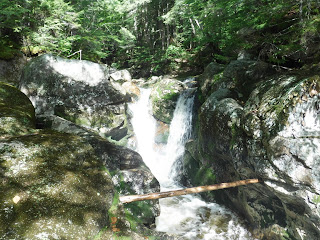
159, 35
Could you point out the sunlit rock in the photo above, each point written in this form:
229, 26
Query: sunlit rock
79, 91
274, 136
164, 96
130, 175
56, 184
52, 187
131, 89
121, 76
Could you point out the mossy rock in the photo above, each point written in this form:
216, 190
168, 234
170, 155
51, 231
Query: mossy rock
52, 187
164, 97
17, 115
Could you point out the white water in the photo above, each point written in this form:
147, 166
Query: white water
187, 216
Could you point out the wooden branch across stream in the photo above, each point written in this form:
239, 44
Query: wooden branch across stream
157, 195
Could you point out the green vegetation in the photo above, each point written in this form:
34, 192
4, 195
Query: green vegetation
157, 35
17, 115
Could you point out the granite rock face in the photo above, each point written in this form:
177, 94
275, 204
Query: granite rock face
79, 91
269, 131
11, 70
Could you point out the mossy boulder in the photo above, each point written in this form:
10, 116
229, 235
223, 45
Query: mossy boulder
258, 126
79, 91
129, 173
17, 115
242, 76
57, 185
53, 187
11, 70
164, 97
209, 76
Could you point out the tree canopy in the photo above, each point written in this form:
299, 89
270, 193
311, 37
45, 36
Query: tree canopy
161, 35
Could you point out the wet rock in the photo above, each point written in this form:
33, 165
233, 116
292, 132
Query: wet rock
164, 96
136, 182
57, 184
129, 173
131, 89
79, 91
271, 133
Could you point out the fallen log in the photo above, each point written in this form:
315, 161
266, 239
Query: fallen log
157, 195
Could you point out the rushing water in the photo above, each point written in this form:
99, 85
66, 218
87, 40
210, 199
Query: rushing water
187, 216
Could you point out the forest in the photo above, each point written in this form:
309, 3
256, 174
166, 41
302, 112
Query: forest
159, 36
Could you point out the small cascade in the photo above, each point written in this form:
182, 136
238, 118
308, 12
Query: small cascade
180, 130
187, 216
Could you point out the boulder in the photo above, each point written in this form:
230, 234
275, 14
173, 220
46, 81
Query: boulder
56, 184
52, 187
242, 77
210, 74
121, 76
17, 115
273, 134
79, 91
11, 70
135, 182
129, 173
131, 89
164, 97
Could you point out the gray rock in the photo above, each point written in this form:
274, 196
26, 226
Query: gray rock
57, 185
129, 173
210, 75
273, 135
52, 187
79, 91
121, 76
164, 97
243, 75
10, 71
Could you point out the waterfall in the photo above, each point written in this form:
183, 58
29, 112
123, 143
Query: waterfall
187, 216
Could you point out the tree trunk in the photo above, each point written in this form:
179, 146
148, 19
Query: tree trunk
152, 196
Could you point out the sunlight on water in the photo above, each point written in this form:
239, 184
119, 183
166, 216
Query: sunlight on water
187, 216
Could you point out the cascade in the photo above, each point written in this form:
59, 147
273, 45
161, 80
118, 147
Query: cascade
187, 216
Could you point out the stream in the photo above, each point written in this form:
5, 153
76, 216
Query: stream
188, 217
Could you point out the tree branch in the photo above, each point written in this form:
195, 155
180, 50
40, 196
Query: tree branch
152, 196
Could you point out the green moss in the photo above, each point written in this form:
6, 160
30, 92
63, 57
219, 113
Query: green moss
205, 176
316, 199
114, 206
234, 135
17, 115
285, 235
135, 210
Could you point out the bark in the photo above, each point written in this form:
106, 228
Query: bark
152, 196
